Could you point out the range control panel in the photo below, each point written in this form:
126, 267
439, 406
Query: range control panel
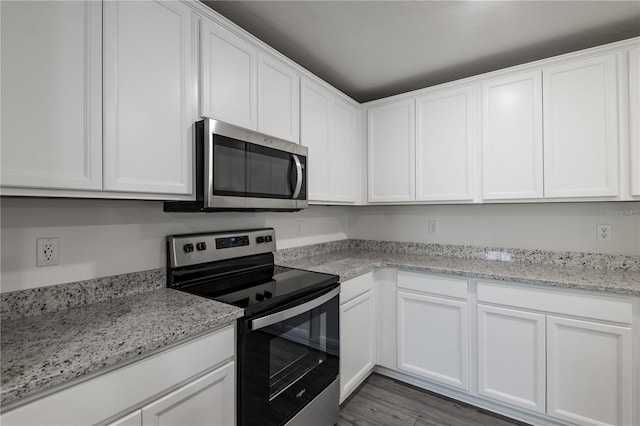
192, 249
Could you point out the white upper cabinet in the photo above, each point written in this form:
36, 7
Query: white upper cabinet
445, 141
229, 70
148, 97
512, 137
328, 129
581, 128
634, 120
391, 152
278, 99
51, 94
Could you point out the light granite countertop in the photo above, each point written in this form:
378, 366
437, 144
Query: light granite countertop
353, 262
43, 351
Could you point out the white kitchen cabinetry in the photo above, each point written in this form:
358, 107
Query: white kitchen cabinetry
328, 129
446, 129
357, 332
133, 419
579, 343
52, 94
229, 70
580, 105
391, 152
511, 356
200, 368
589, 368
512, 165
207, 401
148, 97
634, 120
433, 329
278, 99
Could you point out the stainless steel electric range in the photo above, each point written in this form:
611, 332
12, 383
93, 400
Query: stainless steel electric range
288, 338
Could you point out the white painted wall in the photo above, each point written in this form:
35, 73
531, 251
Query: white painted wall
100, 238
549, 226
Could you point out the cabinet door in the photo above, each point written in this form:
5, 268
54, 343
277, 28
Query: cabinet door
445, 140
229, 76
581, 128
278, 99
634, 120
133, 419
51, 94
512, 137
589, 372
433, 338
511, 357
314, 134
391, 154
148, 96
342, 152
207, 401
357, 342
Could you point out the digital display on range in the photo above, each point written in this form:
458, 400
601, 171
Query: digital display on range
229, 242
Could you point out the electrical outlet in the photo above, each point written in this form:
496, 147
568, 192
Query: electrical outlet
432, 226
298, 226
603, 232
47, 253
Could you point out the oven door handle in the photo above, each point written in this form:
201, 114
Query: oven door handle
268, 320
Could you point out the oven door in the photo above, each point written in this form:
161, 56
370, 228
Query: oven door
288, 358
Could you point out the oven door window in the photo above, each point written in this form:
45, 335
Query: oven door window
287, 364
243, 169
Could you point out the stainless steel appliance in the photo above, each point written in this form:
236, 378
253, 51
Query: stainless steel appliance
288, 339
239, 169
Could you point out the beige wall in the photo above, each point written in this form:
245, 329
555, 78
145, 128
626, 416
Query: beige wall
99, 238
550, 226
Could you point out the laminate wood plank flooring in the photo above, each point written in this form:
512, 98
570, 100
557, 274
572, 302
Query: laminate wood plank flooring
382, 401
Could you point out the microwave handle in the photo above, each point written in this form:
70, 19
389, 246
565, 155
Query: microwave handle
298, 187
268, 320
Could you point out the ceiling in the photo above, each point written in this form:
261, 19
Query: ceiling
373, 49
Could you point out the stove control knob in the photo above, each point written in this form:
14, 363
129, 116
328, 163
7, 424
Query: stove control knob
201, 246
188, 248
260, 240
259, 297
268, 238
268, 294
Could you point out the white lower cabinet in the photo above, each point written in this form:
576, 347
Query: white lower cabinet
511, 357
207, 401
589, 372
357, 332
133, 419
433, 331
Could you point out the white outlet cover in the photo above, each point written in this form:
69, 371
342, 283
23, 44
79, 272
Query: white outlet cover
47, 253
603, 232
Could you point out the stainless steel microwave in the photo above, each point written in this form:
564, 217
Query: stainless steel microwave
240, 169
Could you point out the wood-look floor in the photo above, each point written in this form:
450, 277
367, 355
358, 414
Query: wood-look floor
383, 401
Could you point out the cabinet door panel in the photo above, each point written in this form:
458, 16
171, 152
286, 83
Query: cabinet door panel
445, 139
391, 143
208, 401
51, 94
315, 136
342, 152
512, 137
433, 338
148, 97
511, 357
229, 77
133, 419
581, 128
278, 100
357, 342
634, 119
589, 372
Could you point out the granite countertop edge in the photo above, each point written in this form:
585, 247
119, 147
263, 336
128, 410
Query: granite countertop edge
49, 372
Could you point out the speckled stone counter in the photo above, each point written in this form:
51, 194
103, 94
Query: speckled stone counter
350, 263
42, 351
